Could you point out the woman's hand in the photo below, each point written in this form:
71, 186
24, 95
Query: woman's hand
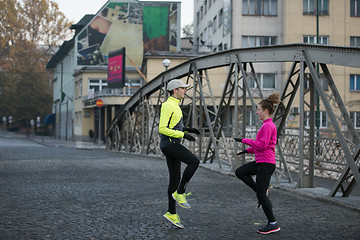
243, 152
238, 139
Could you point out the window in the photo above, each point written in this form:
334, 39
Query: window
354, 82
307, 78
132, 86
355, 118
215, 23
355, 41
205, 7
201, 13
248, 7
313, 39
309, 7
197, 18
221, 19
323, 121
251, 82
97, 84
77, 89
256, 41
250, 118
355, 8
260, 7
267, 81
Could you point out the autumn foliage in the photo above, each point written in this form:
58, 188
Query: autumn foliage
30, 31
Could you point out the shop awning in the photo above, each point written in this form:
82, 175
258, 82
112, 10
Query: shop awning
49, 119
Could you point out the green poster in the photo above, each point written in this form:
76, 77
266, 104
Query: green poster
155, 22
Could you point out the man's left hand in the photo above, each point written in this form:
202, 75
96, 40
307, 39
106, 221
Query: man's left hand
192, 130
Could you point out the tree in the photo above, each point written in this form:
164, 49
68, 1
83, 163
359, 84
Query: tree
30, 29
188, 30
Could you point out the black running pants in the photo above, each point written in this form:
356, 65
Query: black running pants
263, 172
175, 154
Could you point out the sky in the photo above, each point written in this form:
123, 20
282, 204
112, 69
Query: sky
74, 10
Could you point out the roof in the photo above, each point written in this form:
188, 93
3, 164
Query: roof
162, 54
82, 23
68, 45
60, 54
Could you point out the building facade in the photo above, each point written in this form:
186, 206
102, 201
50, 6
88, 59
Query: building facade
91, 85
223, 24
139, 27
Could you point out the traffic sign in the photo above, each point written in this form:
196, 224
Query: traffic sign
99, 102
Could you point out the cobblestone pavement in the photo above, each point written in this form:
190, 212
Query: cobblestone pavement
65, 193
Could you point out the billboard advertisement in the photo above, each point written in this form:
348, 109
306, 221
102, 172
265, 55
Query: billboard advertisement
140, 27
116, 69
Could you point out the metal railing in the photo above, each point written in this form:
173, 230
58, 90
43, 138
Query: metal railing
113, 92
134, 128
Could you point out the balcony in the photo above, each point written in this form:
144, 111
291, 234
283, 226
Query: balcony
110, 96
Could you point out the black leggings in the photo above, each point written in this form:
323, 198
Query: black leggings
175, 154
263, 172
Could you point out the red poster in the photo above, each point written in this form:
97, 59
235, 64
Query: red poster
116, 69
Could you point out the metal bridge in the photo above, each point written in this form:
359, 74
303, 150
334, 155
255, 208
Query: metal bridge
135, 127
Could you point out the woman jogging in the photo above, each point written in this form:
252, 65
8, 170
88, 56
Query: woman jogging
171, 132
264, 165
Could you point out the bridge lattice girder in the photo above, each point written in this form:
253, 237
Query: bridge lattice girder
135, 127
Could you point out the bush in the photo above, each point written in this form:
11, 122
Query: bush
43, 131
13, 129
91, 133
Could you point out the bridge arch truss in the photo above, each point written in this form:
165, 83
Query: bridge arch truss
135, 127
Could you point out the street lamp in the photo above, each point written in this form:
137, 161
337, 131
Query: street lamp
166, 63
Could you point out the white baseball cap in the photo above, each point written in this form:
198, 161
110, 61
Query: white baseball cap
176, 83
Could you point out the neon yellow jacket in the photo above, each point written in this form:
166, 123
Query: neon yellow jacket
171, 122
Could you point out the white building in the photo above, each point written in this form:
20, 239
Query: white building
226, 24
63, 66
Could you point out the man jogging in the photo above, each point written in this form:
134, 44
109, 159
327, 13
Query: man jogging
171, 131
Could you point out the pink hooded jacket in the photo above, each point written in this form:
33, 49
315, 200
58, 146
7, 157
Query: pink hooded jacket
264, 145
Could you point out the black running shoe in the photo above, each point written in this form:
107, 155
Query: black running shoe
270, 228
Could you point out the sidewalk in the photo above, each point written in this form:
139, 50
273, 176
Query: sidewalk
320, 192
52, 141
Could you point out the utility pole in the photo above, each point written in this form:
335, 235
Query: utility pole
61, 90
317, 121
